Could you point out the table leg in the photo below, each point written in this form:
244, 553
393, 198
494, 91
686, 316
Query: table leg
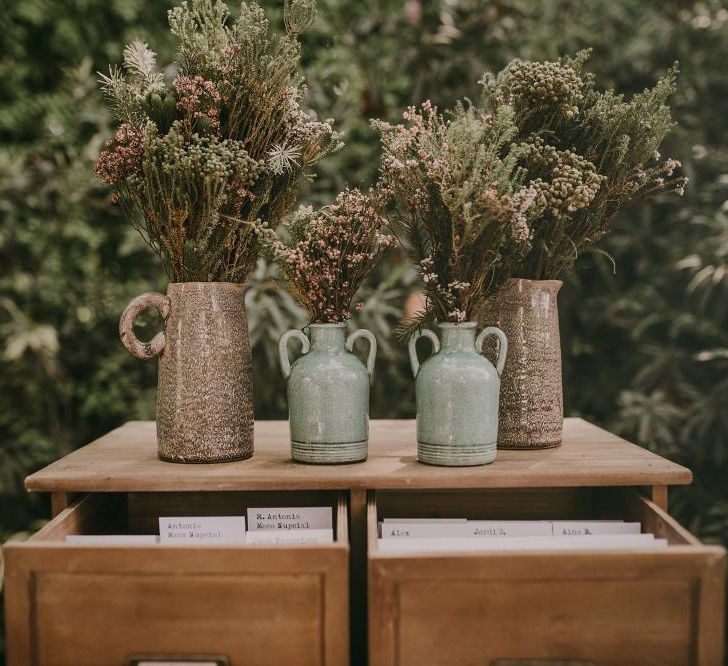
358, 575
659, 496
59, 501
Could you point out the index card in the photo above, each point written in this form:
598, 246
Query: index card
466, 544
289, 537
203, 530
434, 521
470, 528
290, 518
594, 527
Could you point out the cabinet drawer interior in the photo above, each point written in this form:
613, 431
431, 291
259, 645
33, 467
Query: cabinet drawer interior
628, 606
138, 513
527, 504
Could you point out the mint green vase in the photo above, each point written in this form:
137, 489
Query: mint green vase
328, 394
457, 391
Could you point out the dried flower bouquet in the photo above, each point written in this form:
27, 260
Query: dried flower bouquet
588, 153
197, 162
460, 201
324, 256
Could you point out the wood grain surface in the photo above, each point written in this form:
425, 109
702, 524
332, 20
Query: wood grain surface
125, 460
623, 607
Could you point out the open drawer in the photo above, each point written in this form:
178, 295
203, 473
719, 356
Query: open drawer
616, 607
98, 605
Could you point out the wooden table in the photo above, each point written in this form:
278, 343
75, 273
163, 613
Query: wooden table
125, 461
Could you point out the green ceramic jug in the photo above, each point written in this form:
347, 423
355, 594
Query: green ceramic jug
457, 392
328, 394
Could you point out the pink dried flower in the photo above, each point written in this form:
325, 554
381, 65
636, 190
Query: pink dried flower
331, 252
121, 157
198, 98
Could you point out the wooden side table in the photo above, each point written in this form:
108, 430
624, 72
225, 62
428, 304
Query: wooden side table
262, 606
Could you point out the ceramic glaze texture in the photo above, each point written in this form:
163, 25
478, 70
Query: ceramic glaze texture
328, 395
457, 397
205, 392
531, 403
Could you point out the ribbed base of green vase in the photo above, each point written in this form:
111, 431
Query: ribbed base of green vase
456, 455
320, 453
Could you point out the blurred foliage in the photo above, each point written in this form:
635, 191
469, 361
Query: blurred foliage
645, 345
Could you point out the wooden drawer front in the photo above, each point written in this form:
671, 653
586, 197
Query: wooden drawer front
608, 608
95, 605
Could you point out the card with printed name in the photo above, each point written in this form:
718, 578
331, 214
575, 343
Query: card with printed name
595, 528
515, 528
289, 537
470, 528
208, 530
467, 544
290, 518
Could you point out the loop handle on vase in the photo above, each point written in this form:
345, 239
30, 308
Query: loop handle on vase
412, 347
283, 349
502, 345
135, 346
368, 335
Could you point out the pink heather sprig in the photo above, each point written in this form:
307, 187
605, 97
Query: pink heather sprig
330, 252
121, 156
199, 99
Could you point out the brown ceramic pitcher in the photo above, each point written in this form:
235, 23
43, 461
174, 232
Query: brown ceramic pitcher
531, 414
205, 392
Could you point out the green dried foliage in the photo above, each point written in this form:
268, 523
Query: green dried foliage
197, 163
589, 153
459, 201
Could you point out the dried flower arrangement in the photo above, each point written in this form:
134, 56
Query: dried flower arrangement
197, 162
460, 201
326, 254
588, 153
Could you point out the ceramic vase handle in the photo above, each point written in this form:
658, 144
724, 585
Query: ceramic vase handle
502, 345
363, 333
283, 349
135, 346
412, 346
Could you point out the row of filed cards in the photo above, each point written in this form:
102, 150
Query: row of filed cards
264, 526
409, 535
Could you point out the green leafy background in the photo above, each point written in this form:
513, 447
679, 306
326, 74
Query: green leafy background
645, 346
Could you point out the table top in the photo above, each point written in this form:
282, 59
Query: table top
125, 460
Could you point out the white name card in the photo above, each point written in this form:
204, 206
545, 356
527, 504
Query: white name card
290, 518
202, 529
431, 521
471, 528
563, 528
113, 539
461, 544
289, 537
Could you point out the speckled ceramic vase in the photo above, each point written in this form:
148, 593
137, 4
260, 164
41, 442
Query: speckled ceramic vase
531, 403
328, 395
205, 391
457, 396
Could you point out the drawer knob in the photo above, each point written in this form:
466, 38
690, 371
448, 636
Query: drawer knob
540, 662
177, 660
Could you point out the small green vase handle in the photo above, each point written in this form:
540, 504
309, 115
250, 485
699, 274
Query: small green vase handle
412, 346
133, 344
502, 345
363, 333
283, 349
